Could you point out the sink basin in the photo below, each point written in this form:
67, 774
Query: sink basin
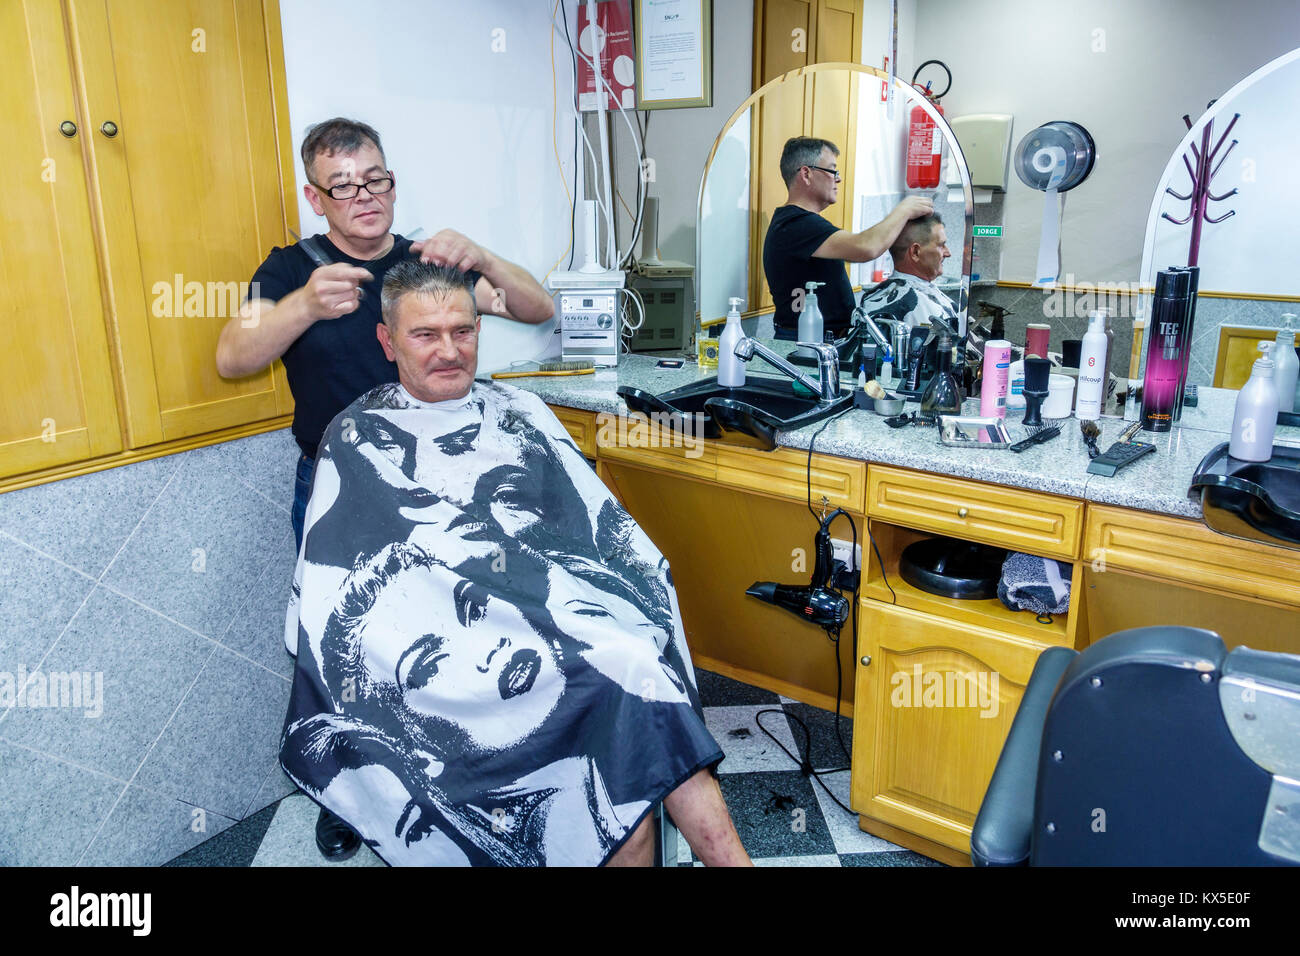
749, 415
1259, 500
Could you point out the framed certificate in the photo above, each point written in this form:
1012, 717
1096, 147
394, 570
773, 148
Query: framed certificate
674, 53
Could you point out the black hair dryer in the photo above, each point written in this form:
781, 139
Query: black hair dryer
815, 603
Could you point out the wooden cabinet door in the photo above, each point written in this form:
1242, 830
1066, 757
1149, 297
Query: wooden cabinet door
933, 709
187, 195
789, 34
58, 403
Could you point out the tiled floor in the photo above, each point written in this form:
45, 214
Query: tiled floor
784, 818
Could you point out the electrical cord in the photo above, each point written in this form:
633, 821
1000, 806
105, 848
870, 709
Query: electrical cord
556, 147
805, 762
619, 257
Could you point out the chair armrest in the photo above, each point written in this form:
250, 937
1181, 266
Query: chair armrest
1001, 835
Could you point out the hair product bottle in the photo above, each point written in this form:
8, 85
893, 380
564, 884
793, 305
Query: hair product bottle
1286, 366
1255, 417
1165, 341
731, 370
941, 395
993, 389
1092, 369
810, 316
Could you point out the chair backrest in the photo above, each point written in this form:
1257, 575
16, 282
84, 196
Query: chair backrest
1139, 764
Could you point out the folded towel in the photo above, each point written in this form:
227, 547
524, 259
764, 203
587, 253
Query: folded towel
1031, 583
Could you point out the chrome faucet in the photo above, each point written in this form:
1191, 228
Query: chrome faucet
827, 389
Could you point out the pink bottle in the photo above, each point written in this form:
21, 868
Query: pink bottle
993, 391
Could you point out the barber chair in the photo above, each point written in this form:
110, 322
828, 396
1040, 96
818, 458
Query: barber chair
665, 838
1152, 747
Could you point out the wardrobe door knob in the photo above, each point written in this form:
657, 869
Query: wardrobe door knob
68, 128
962, 512
109, 129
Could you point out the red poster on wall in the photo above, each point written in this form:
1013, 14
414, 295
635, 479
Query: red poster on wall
612, 40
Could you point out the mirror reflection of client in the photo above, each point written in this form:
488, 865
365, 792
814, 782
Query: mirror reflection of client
801, 246
910, 295
505, 681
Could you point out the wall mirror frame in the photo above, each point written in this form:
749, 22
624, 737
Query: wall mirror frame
714, 247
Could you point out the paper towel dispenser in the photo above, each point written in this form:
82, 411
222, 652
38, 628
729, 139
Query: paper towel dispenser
985, 140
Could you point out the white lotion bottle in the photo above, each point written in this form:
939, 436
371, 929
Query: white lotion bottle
1255, 417
731, 370
810, 316
1092, 369
1286, 366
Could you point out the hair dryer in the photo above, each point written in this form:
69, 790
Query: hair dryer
815, 603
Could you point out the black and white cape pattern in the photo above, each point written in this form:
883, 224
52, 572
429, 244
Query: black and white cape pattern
910, 300
491, 668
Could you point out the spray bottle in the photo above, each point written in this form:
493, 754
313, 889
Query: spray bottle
810, 317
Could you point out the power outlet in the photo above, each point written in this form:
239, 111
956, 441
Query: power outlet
844, 551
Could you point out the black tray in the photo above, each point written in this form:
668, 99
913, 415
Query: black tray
1256, 500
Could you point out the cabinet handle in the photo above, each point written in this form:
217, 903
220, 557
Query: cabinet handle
68, 128
961, 512
866, 660
109, 129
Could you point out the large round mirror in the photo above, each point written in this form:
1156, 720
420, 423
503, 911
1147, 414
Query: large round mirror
1249, 137
741, 186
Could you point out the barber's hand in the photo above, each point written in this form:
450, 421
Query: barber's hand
916, 206
335, 290
450, 248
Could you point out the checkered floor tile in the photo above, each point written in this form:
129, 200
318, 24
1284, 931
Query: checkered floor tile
784, 817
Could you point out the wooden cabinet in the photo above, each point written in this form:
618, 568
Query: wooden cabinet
58, 403
1006, 517
168, 196
788, 35
933, 707
939, 679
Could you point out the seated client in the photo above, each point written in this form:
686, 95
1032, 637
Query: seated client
491, 667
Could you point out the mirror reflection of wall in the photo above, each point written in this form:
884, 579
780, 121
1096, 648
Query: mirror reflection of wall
1252, 206
1127, 71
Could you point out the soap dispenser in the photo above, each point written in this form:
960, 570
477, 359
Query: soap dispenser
1286, 366
810, 317
731, 370
1255, 417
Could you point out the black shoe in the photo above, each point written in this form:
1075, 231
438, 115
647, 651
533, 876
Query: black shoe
335, 839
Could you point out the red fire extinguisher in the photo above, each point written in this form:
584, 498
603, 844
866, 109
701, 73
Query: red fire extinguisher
924, 139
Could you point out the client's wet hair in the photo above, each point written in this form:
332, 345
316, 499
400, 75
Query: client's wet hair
413, 277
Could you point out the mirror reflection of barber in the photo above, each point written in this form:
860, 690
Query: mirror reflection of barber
802, 246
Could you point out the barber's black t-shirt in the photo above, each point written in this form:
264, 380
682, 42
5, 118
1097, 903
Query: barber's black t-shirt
792, 237
336, 360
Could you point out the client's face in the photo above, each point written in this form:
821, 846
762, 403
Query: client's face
479, 667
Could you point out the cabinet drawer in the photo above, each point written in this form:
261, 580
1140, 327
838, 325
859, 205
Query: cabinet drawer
581, 426
1186, 551
931, 712
1028, 521
784, 472
636, 440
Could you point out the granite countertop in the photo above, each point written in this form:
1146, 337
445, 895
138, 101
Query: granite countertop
1157, 482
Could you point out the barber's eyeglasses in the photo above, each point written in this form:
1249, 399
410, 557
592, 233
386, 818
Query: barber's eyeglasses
833, 172
376, 187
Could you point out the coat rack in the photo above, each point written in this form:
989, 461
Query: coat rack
1200, 195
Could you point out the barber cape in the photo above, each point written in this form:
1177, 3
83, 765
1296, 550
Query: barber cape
911, 300
490, 666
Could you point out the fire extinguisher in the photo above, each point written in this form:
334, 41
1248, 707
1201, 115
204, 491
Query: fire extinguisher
924, 139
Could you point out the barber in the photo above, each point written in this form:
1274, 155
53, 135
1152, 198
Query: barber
321, 319
801, 246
